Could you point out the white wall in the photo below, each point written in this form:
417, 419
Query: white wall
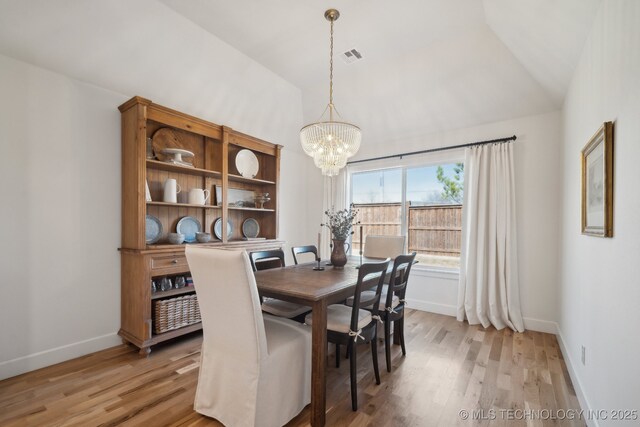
538, 177
599, 295
60, 168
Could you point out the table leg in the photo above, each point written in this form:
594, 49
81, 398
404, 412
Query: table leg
319, 364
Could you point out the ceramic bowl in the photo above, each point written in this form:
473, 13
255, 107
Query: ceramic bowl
203, 237
175, 238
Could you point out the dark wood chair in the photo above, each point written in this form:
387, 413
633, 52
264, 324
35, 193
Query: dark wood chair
351, 326
392, 303
263, 260
309, 249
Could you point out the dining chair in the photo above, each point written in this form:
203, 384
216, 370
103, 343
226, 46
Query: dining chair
255, 369
309, 249
351, 326
392, 303
383, 246
263, 260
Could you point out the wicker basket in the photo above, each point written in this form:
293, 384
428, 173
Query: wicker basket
174, 313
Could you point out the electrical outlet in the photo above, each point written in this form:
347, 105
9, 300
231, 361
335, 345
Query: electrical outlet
583, 356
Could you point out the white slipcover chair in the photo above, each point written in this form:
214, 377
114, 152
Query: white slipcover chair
383, 246
255, 370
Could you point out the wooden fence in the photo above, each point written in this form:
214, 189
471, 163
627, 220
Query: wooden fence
432, 230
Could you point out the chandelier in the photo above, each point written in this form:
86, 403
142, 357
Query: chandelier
330, 142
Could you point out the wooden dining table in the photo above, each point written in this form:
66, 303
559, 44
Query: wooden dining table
317, 289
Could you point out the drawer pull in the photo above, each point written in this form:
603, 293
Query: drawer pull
175, 261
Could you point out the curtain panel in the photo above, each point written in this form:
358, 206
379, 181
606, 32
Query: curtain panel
488, 292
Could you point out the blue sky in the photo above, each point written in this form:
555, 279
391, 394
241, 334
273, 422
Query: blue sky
386, 185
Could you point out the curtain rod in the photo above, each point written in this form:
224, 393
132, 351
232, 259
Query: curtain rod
433, 150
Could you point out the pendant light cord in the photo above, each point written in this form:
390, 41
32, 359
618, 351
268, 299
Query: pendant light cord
331, 73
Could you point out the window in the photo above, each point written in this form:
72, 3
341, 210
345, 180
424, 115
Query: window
422, 202
378, 198
384, 186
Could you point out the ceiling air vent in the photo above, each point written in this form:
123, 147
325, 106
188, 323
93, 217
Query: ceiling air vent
351, 56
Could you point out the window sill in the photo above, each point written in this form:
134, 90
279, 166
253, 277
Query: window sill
435, 272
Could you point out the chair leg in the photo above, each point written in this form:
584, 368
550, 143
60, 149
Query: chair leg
387, 343
337, 355
346, 352
404, 349
374, 353
354, 376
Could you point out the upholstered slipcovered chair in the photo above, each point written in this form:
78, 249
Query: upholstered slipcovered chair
383, 246
255, 370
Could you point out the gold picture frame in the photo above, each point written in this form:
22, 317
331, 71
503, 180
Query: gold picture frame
597, 183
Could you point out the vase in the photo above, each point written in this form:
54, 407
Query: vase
338, 254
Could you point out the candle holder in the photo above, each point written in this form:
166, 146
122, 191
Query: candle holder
357, 267
318, 267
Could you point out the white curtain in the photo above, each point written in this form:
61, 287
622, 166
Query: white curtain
488, 291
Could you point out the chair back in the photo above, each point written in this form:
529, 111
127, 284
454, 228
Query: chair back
383, 246
264, 260
399, 278
297, 250
229, 305
370, 274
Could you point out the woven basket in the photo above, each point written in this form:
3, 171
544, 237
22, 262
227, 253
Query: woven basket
174, 313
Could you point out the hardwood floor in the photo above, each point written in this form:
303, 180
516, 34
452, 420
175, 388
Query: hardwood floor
449, 367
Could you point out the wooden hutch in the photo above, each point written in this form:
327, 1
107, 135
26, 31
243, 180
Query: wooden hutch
215, 148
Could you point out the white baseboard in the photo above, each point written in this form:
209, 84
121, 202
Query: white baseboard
31, 362
450, 310
432, 307
575, 379
540, 325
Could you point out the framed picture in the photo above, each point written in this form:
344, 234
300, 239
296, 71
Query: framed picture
597, 183
236, 197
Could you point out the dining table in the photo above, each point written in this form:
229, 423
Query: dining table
317, 289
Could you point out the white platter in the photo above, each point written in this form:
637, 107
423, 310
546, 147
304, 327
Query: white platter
247, 163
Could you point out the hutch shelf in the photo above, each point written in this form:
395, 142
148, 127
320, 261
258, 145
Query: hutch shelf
215, 148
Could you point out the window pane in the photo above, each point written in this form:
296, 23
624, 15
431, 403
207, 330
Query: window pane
434, 205
439, 185
384, 186
378, 196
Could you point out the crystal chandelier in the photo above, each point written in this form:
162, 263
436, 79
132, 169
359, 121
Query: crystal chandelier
330, 142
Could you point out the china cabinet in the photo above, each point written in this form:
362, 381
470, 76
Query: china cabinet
145, 127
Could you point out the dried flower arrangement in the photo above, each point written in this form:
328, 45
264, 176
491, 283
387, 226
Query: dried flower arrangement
341, 222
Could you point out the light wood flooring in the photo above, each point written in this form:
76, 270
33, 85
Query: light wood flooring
450, 366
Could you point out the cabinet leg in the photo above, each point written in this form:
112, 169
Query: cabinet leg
125, 342
144, 351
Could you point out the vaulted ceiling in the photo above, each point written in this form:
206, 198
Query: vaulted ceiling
428, 65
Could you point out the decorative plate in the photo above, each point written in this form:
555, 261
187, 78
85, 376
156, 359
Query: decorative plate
217, 228
152, 229
247, 163
188, 226
250, 228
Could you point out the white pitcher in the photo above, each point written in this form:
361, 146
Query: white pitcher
171, 190
198, 196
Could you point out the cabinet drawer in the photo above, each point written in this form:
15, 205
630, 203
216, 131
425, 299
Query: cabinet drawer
165, 262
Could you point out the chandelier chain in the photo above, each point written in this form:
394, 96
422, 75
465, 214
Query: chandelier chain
331, 74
